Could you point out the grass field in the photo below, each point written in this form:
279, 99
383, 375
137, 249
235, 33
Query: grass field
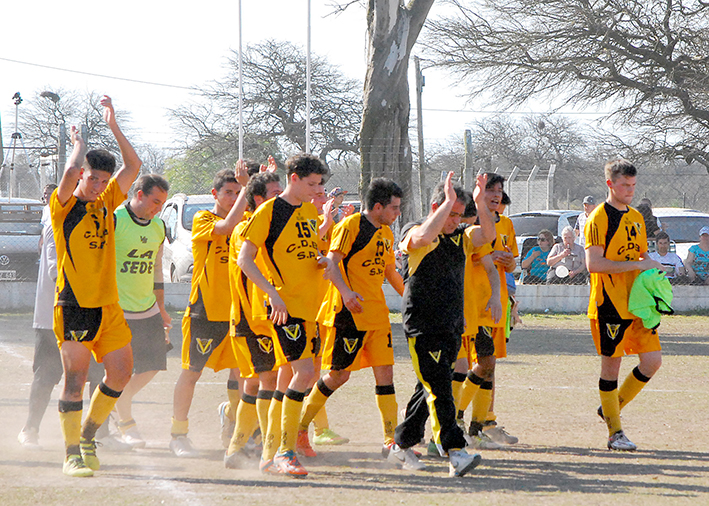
547, 395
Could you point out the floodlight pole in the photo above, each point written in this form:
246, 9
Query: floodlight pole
307, 88
241, 92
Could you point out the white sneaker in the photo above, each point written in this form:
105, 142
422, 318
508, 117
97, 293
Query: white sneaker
407, 459
481, 441
29, 439
132, 437
114, 442
619, 441
182, 447
227, 426
460, 462
498, 434
237, 460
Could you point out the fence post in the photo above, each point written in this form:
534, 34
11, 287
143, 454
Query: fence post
550, 185
512, 194
531, 177
468, 165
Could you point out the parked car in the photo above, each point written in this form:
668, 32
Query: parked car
20, 230
177, 213
528, 224
683, 226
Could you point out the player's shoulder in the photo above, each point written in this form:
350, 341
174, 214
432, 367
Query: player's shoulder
205, 215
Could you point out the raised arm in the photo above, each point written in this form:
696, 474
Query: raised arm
232, 219
433, 224
131, 163
72, 169
486, 218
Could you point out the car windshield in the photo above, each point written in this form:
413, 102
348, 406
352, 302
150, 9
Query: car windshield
531, 224
190, 210
20, 228
684, 228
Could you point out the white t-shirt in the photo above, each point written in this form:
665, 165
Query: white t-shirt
669, 260
580, 225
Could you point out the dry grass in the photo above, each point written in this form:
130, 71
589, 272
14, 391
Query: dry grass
547, 396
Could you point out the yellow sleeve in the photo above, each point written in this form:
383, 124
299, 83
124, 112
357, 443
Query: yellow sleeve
257, 228
113, 196
512, 238
203, 226
389, 257
343, 236
595, 231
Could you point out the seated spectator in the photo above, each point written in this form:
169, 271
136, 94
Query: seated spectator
535, 263
671, 262
571, 257
697, 262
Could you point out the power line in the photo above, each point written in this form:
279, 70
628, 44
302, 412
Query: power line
99, 75
518, 112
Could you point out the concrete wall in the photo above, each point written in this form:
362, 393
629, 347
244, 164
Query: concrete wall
19, 296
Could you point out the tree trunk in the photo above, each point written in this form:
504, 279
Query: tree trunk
392, 29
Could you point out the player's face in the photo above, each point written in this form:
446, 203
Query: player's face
151, 203
391, 212
320, 198
305, 189
663, 246
454, 217
273, 189
226, 196
493, 197
622, 189
92, 183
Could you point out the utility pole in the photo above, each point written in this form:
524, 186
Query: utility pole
420, 83
468, 164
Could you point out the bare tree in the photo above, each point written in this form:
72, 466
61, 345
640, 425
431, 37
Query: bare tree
392, 28
274, 106
647, 60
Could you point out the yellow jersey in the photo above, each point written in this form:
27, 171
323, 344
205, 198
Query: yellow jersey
622, 236
209, 296
505, 240
476, 294
367, 251
84, 233
288, 239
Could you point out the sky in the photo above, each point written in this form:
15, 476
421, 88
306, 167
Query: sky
151, 53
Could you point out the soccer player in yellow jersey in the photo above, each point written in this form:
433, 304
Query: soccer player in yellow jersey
503, 255
87, 317
616, 252
354, 312
205, 326
285, 231
258, 354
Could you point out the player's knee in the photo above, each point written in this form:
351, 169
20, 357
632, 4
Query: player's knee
338, 378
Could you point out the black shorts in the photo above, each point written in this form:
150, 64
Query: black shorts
298, 338
484, 342
205, 337
149, 347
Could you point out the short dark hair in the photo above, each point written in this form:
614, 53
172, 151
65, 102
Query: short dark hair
471, 209
380, 191
619, 167
223, 177
257, 187
661, 235
506, 201
305, 164
494, 178
546, 233
147, 182
100, 159
439, 195
252, 167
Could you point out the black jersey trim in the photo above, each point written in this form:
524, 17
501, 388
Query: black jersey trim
280, 215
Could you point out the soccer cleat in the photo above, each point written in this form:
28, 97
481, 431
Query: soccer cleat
114, 443
88, 453
433, 451
302, 445
405, 458
74, 466
386, 448
182, 447
461, 462
268, 467
619, 441
29, 439
329, 437
132, 437
481, 441
498, 434
287, 463
254, 445
237, 460
227, 425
